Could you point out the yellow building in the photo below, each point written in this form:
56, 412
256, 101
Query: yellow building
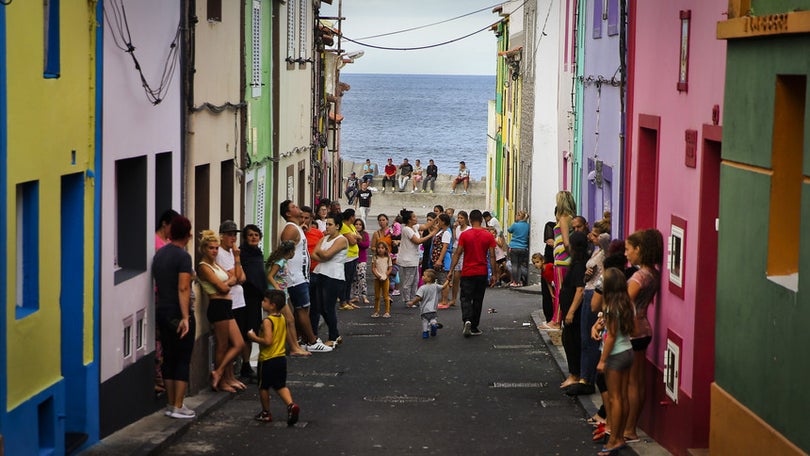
48, 369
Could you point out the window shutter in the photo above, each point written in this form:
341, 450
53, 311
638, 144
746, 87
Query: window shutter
597, 19
302, 30
291, 10
256, 47
613, 17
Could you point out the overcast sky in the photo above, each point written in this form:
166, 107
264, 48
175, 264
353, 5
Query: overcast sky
473, 55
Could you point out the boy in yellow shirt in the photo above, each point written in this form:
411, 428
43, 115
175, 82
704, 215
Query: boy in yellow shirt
273, 357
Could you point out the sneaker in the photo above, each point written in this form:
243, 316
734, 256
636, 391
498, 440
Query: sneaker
264, 417
413, 191
467, 329
395, 293
424, 191
433, 328
425, 335
465, 192
169, 410
431, 191
452, 192
183, 413
292, 414
476, 332
580, 388
318, 347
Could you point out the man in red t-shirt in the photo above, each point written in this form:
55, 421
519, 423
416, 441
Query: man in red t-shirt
474, 244
390, 175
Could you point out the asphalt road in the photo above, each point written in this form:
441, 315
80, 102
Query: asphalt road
388, 391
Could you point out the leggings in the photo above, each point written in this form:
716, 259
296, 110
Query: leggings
559, 275
381, 294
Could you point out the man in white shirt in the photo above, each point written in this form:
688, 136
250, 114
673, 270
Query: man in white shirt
228, 259
492, 222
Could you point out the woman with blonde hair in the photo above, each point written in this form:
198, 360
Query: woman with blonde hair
565, 211
229, 343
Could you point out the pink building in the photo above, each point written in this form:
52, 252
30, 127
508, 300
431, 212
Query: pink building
675, 97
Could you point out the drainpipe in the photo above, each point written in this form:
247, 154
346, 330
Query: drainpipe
242, 112
274, 113
623, 111
188, 19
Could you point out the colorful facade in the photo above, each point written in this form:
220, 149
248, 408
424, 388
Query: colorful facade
142, 150
757, 403
676, 68
258, 164
50, 179
599, 140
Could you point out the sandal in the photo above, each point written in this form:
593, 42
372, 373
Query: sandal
375, 315
386, 315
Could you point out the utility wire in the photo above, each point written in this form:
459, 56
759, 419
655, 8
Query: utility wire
429, 25
415, 48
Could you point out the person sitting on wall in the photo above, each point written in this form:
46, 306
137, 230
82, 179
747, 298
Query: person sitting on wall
463, 177
390, 175
405, 171
369, 170
351, 187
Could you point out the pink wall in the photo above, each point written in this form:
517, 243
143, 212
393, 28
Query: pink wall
655, 73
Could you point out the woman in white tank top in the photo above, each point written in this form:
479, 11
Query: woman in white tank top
329, 279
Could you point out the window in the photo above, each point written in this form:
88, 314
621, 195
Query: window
51, 39
163, 183
675, 257
786, 181
683, 67
260, 200
213, 10
126, 343
130, 220
672, 369
256, 50
291, 10
27, 255
140, 331
226, 210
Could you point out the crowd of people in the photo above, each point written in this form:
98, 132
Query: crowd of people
595, 290
403, 176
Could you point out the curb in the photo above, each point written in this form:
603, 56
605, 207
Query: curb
154, 433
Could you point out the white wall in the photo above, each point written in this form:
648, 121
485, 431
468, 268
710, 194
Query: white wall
133, 127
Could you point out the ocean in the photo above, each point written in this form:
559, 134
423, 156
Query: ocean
439, 117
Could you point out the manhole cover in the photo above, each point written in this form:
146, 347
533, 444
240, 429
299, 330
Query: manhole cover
517, 385
400, 399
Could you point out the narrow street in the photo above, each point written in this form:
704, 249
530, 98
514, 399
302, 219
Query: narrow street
388, 391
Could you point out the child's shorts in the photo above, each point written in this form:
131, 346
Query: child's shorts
273, 373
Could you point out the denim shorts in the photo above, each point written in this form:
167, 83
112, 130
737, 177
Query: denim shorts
299, 295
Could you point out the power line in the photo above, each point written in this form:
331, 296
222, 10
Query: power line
429, 25
416, 48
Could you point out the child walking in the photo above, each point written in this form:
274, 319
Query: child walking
273, 357
428, 297
617, 354
381, 267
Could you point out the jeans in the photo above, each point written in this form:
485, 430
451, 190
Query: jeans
403, 181
472, 289
351, 194
349, 270
590, 348
432, 180
392, 179
324, 303
520, 265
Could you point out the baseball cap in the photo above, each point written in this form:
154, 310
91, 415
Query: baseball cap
228, 226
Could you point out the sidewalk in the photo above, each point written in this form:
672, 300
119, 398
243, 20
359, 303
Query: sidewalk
591, 403
154, 432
